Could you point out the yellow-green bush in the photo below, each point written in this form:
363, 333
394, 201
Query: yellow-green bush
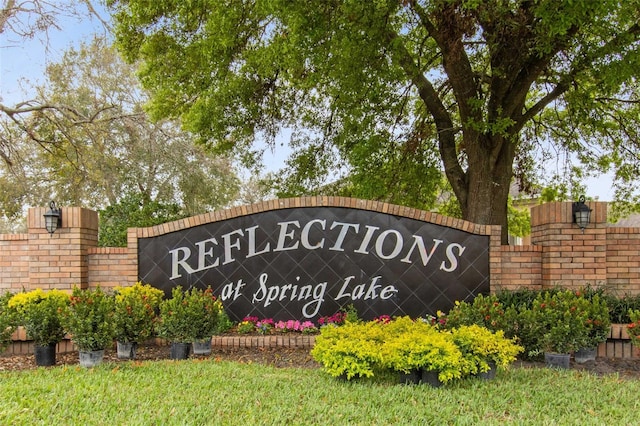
480, 345
351, 350
39, 312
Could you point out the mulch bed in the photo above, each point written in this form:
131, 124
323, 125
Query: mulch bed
294, 357
277, 357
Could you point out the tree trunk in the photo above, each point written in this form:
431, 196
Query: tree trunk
484, 196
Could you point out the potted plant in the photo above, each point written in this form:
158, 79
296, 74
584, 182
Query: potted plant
484, 351
134, 316
417, 345
206, 309
89, 319
351, 350
564, 317
178, 321
7, 321
39, 312
598, 325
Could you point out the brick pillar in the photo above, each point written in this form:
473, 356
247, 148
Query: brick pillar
570, 258
60, 260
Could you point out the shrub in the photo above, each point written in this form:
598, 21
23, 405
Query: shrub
564, 316
486, 311
411, 345
135, 312
40, 314
619, 308
351, 350
89, 319
7, 321
189, 316
480, 346
598, 322
205, 308
175, 322
633, 328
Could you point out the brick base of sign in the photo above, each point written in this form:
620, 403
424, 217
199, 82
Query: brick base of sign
284, 341
617, 345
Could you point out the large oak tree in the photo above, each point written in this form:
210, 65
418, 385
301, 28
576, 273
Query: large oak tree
381, 84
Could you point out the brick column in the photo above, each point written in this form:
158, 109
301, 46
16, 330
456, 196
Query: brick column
60, 260
570, 258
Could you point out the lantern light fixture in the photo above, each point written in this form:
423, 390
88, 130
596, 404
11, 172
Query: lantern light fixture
581, 213
53, 218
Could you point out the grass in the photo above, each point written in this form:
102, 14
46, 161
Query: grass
203, 392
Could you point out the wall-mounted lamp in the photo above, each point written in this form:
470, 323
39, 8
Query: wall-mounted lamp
581, 213
53, 218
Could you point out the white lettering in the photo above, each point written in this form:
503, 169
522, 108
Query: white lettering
342, 293
228, 245
318, 298
176, 262
419, 242
229, 292
304, 237
453, 260
367, 239
251, 234
343, 233
284, 234
203, 254
380, 243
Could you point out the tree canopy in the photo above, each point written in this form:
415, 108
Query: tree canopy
85, 140
393, 92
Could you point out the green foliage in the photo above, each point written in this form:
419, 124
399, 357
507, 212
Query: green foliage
350, 350
486, 311
89, 319
598, 320
413, 345
540, 317
189, 315
365, 349
133, 211
633, 328
619, 307
519, 220
40, 313
223, 323
135, 311
565, 319
7, 320
204, 301
375, 91
479, 346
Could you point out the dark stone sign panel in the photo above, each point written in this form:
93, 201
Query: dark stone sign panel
304, 263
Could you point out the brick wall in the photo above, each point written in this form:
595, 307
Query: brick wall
623, 260
111, 266
560, 253
14, 262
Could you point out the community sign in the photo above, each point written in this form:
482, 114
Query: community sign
307, 262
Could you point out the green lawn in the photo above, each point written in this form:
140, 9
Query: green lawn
201, 392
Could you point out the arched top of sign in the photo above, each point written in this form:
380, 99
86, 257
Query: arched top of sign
318, 201
304, 258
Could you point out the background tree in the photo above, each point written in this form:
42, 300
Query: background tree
97, 148
488, 84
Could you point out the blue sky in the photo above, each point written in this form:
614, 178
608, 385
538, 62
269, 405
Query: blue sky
22, 65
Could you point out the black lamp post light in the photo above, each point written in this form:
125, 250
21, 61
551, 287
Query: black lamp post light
53, 218
581, 213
